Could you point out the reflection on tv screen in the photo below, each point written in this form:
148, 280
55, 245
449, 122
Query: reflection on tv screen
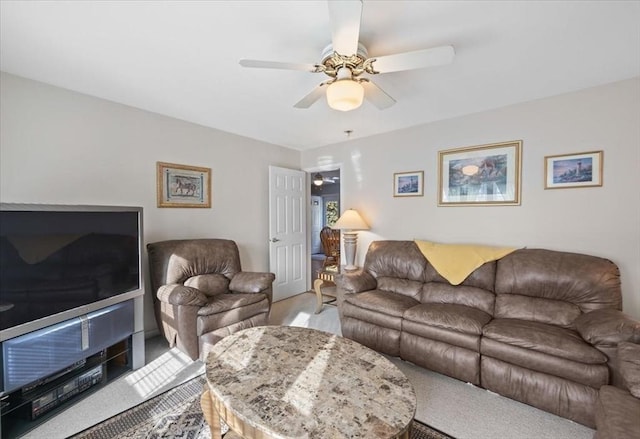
56, 261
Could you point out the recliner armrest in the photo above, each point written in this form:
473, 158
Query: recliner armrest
355, 282
251, 282
607, 327
177, 294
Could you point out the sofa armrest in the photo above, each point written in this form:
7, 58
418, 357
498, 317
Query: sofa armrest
355, 282
250, 282
176, 294
605, 328
629, 364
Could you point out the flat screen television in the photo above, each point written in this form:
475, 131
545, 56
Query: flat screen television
58, 262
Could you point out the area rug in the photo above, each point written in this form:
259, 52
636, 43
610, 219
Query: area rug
176, 413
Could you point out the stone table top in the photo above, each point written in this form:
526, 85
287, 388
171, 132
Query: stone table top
289, 382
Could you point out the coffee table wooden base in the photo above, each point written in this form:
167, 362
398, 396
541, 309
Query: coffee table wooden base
212, 416
213, 410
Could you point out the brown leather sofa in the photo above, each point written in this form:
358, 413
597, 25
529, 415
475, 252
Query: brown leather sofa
201, 295
538, 326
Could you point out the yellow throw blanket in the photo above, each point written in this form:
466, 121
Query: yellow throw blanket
455, 262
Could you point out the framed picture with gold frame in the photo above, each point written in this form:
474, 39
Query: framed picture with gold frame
183, 186
582, 169
484, 175
408, 184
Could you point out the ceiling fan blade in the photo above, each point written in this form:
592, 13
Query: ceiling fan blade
376, 95
312, 97
277, 65
344, 16
418, 59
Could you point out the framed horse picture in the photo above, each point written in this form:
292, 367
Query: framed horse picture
183, 186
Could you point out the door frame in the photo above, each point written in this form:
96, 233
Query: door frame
310, 171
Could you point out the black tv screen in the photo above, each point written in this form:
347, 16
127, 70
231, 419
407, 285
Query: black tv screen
55, 260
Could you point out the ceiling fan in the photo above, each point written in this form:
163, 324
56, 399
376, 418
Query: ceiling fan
346, 60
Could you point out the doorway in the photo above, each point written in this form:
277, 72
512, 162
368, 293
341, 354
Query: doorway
287, 231
325, 211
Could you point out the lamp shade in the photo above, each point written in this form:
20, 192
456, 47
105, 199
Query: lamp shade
345, 95
351, 220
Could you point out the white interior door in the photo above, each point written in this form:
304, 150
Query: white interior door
288, 234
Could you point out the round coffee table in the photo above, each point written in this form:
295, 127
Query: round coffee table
288, 382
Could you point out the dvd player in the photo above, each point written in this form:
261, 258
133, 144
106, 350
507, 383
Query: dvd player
63, 392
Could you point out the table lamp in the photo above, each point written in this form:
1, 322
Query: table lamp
350, 222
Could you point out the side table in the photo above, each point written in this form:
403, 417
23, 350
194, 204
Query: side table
324, 285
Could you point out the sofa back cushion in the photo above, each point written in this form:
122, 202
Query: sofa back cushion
554, 287
536, 309
482, 277
473, 297
395, 259
406, 287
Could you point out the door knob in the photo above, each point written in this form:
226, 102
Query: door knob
274, 240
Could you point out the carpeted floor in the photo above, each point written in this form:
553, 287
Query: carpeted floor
177, 414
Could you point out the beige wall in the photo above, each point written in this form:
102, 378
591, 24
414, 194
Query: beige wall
62, 147
58, 146
601, 221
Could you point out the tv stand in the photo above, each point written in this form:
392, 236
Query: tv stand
74, 357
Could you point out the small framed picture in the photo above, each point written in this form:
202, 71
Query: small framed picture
485, 175
183, 186
408, 184
573, 170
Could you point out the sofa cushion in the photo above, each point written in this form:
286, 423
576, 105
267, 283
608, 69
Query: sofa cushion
547, 339
405, 287
382, 308
629, 358
536, 309
473, 297
617, 414
382, 301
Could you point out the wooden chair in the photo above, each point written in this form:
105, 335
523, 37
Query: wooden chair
330, 246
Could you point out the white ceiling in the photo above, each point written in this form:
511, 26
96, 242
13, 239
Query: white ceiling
180, 58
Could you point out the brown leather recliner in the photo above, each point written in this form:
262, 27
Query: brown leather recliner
201, 294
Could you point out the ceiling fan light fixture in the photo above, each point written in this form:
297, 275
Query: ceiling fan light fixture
345, 95
318, 179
